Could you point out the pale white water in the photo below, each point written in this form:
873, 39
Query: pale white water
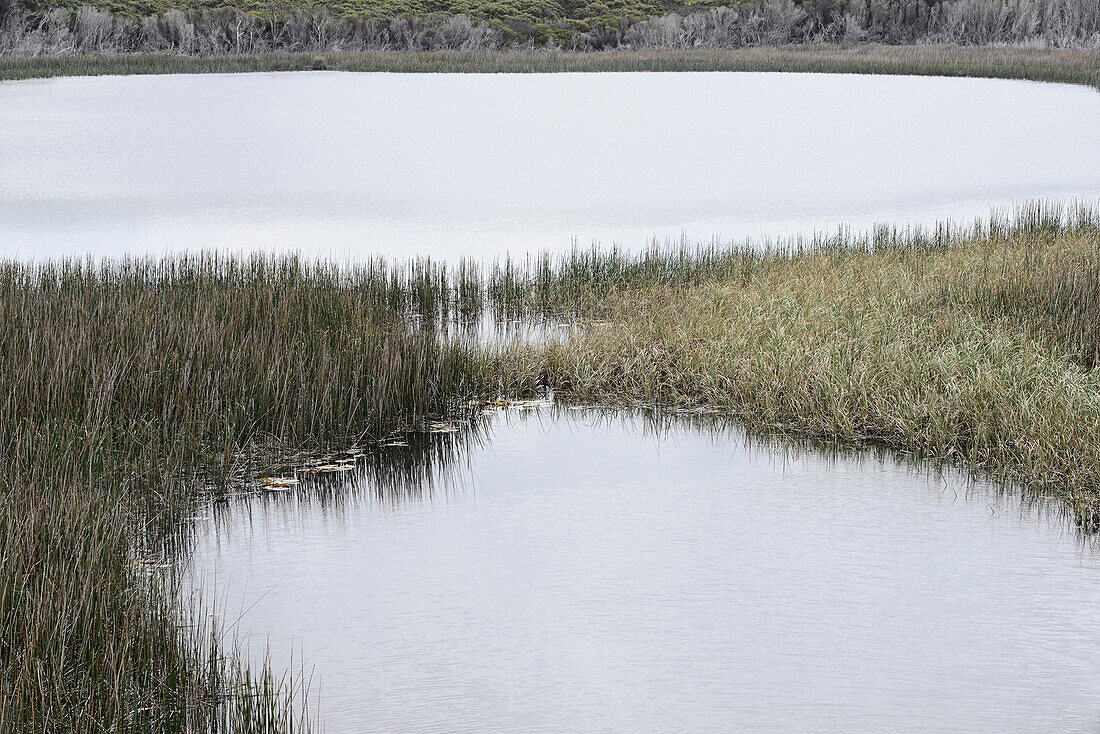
580, 574
356, 164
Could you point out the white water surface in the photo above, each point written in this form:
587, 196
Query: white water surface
351, 165
595, 573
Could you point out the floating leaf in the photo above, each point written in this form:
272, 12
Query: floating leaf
530, 404
278, 481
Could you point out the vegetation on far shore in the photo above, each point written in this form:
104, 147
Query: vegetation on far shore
1071, 67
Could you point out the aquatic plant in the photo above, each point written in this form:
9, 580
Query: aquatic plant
974, 346
130, 388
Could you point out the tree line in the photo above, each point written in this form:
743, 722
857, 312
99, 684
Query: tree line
26, 32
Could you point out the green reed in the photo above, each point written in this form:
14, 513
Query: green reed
130, 385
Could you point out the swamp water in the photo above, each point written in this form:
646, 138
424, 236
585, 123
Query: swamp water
575, 571
452, 165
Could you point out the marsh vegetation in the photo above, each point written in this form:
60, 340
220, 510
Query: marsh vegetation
129, 389
1048, 65
133, 387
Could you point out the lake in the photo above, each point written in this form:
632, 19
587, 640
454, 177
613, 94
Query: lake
351, 165
619, 572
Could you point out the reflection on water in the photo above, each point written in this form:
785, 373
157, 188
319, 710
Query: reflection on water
576, 570
474, 165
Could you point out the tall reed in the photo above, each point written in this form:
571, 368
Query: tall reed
1063, 66
128, 387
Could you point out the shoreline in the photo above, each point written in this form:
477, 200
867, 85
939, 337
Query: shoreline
1041, 65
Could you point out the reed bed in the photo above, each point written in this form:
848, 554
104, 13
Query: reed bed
130, 387
1049, 65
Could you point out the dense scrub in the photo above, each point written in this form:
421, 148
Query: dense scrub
201, 29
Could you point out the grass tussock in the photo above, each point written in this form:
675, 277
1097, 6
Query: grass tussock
1049, 65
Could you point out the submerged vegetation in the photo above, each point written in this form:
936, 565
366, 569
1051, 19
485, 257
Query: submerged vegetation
132, 388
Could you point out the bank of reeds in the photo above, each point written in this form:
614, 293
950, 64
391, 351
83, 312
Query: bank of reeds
131, 388
128, 388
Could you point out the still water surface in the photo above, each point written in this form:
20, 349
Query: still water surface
586, 573
452, 165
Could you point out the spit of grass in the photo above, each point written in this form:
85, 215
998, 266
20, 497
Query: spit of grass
1050, 65
977, 347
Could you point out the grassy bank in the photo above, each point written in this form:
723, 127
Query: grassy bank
977, 348
1049, 65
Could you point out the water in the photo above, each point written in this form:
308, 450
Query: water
350, 165
586, 573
